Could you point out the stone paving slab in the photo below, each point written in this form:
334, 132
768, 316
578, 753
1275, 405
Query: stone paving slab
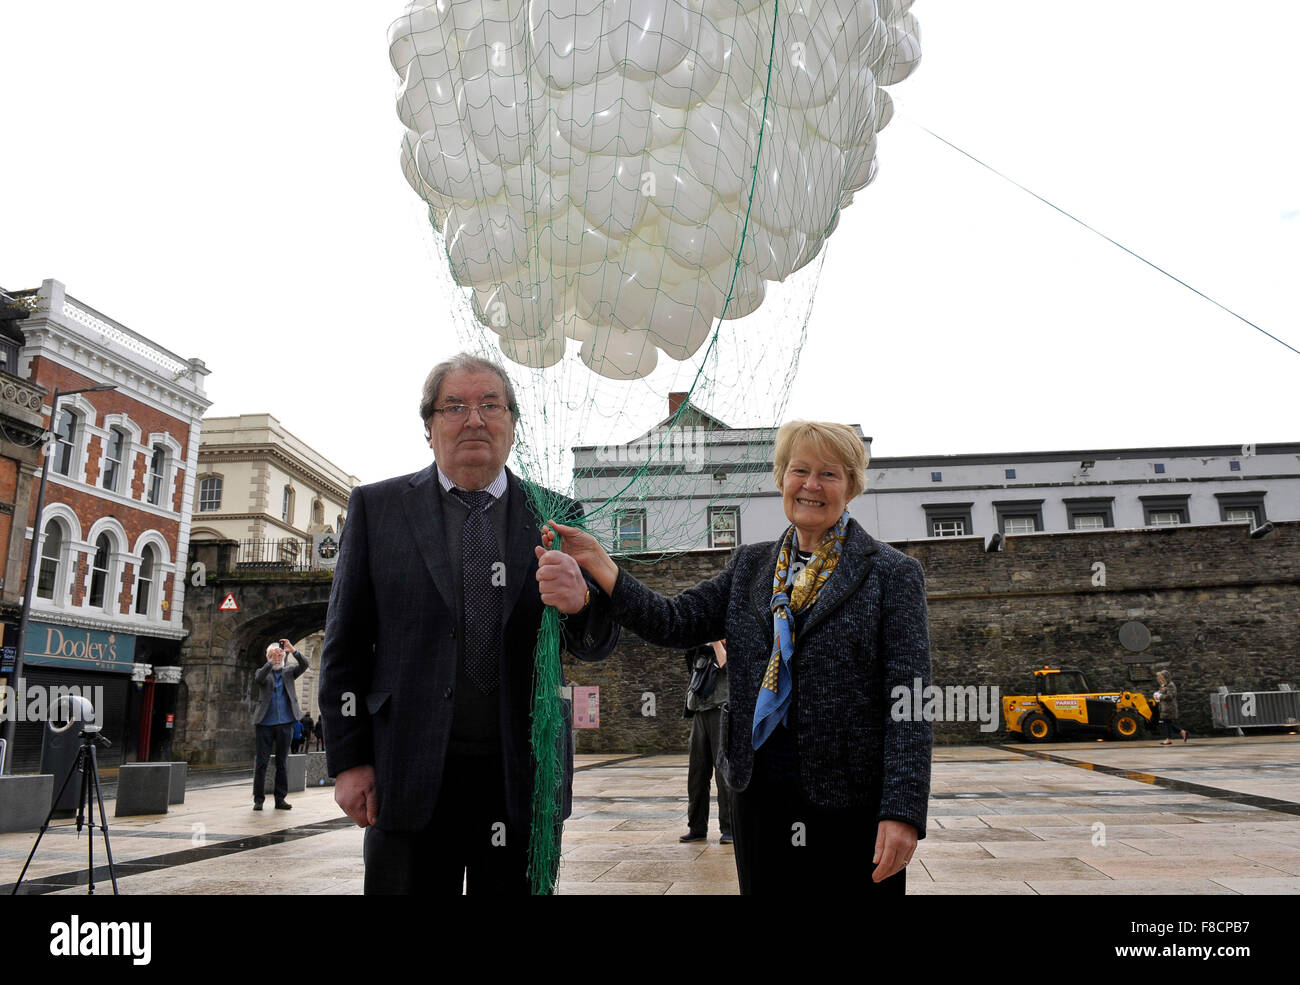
1001, 823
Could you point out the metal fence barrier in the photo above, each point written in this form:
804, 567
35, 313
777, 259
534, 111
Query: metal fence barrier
274, 554
1255, 709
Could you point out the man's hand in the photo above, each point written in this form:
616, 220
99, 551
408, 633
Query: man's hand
586, 550
895, 843
561, 582
354, 791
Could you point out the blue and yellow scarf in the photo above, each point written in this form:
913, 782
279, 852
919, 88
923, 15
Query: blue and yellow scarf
774, 695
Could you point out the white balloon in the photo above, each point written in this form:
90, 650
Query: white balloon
694, 77
613, 201
650, 37
884, 108
721, 139
902, 57
707, 244
453, 168
675, 190
618, 354
804, 65
567, 41
496, 116
610, 116
495, 46
484, 245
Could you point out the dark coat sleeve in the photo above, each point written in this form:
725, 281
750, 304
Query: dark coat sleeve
697, 615
905, 648
348, 655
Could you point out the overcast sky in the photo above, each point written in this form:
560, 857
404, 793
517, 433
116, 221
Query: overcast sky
225, 180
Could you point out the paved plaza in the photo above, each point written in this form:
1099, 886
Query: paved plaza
1216, 816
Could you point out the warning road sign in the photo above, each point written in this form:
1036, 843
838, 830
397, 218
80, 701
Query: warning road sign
228, 604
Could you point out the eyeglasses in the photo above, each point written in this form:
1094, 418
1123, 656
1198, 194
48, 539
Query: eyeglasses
460, 412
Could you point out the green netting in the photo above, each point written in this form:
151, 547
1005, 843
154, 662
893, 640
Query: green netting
633, 199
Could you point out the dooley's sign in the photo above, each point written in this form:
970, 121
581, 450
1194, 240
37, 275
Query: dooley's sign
82, 649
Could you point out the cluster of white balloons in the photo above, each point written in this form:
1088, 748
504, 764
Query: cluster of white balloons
596, 165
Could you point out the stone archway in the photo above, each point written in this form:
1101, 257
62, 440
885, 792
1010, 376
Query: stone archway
225, 649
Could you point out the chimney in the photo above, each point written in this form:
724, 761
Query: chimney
675, 401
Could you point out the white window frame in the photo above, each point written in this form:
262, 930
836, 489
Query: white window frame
622, 516
107, 462
940, 528
220, 480
720, 535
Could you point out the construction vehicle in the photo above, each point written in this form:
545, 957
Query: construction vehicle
1063, 704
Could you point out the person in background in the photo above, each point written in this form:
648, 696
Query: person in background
1167, 701
705, 695
277, 713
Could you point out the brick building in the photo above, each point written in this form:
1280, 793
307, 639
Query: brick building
107, 609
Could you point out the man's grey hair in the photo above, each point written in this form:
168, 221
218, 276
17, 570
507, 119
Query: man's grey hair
464, 361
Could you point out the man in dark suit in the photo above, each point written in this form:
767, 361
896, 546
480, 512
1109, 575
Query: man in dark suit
427, 678
277, 710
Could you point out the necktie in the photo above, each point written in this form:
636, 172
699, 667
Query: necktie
480, 557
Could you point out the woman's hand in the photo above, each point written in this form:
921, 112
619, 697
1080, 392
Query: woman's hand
895, 843
586, 550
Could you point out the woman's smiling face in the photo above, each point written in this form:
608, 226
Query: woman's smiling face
815, 492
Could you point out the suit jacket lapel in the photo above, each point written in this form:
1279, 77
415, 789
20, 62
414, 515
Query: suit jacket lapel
855, 564
522, 535
423, 508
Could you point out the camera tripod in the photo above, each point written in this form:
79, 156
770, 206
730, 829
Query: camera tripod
87, 765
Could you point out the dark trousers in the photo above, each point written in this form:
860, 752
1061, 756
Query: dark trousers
704, 753
279, 737
469, 843
1170, 727
787, 845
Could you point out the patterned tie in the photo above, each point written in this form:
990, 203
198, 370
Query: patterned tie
480, 554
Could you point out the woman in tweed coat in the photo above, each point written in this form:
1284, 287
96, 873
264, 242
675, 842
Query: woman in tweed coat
825, 630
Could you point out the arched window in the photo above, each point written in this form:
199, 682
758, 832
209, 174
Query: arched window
65, 442
148, 565
114, 449
99, 571
157, 472
286, 505
210, 494
51, 549
317, 512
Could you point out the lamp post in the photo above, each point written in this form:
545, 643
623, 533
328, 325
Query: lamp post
11, 719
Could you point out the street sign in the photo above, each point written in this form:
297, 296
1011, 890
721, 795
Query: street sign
228, 604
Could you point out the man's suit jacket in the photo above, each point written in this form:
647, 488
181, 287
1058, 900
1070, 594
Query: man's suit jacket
391, 649
266, 682
866, 635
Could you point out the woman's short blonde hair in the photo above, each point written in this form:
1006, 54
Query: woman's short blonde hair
834, 442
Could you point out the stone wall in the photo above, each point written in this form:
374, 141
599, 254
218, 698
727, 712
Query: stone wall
1221, 609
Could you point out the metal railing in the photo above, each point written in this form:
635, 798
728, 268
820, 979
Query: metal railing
274, 554
1255, 709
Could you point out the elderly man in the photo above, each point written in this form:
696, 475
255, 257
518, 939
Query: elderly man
277, 710
427, 676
